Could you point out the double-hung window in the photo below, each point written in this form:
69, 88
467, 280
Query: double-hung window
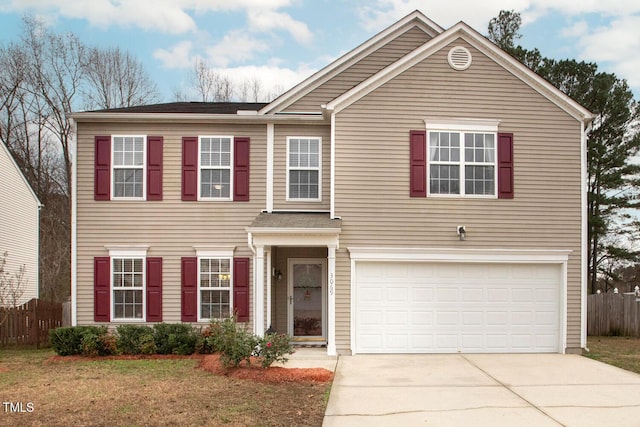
128, 167
462, 163
216, 160
214, 287
304, 162
128, 287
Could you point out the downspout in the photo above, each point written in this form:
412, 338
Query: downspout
585, 127
74, 225
270, 156
333, 166
255, 276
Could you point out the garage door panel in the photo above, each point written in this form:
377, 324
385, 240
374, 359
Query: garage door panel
446, 307
447, 294
398, 294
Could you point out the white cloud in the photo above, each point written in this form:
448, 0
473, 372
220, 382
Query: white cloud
235, 47
166, 16
382, 13
578, 29
270, 76
266, 20
178, 56
159, 15
618, 44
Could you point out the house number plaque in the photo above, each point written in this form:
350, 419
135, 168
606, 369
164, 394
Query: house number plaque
330, 283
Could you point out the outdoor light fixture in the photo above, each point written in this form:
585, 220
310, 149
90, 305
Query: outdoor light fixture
277, 274
462, 232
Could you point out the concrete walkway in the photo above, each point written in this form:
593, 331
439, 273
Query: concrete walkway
478, 390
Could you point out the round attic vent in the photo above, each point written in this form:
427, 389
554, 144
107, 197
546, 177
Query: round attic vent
459, 58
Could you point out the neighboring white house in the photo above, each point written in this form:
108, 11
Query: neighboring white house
19, 225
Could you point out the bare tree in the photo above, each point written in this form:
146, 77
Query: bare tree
12, 287
209, 85
42, 78
117, 79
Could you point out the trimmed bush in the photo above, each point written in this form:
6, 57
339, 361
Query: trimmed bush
71, 340
101, 343
175, 338
135, 339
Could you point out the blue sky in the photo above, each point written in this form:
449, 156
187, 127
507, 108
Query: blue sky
283, 41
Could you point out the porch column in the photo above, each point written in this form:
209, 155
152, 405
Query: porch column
331, 309
258, 294
269, 282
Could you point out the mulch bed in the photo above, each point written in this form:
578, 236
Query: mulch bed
211, 363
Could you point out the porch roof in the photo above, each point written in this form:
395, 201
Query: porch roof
295, 222
295, 229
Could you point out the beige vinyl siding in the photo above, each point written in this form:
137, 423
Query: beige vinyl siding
372, 172
361, 70
281, 133
170, 227
18, 228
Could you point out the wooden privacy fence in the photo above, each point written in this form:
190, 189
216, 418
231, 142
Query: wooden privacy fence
613, 314
29, 324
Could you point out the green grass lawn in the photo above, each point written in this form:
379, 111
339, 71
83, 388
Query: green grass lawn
147, 393
623, 352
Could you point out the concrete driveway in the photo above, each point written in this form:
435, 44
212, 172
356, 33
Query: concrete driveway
479, 390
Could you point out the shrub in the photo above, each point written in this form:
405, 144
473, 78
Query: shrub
175, 338
206, 342
71, 340
98, 343
274, 348
234, 342
135, 339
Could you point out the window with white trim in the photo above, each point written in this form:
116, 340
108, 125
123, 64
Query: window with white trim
128, 166
462, 163
128, 279
215, 161
304, 174
214, 287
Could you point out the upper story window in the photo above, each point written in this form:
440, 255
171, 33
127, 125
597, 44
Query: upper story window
462, 163
304, 173
128, 167
215, 163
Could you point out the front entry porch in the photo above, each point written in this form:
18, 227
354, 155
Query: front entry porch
295, 294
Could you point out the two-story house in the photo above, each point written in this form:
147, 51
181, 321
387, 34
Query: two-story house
425, 192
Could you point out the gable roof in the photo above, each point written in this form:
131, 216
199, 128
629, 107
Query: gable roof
484, 45
414, 19
17, 168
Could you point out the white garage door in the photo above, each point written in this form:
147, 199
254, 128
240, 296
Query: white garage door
420, 307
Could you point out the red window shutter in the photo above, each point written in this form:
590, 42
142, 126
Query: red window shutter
418, 163
102, 166
154, 289
241, 288
241, 169
189, 289
154, 167
190, 168
101, 289
505, 166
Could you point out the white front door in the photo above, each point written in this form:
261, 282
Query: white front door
307, 299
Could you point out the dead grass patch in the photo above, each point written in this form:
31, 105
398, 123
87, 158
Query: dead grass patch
623, 352
150, 391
